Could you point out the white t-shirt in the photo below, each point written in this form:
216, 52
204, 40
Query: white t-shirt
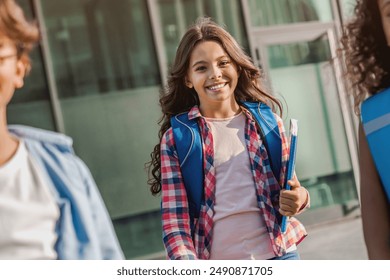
239, 230
28, 212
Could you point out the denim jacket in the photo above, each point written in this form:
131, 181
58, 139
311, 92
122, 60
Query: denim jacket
84, 228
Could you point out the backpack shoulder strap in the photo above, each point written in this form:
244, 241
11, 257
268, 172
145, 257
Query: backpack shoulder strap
269, 132
188, 144
375, 113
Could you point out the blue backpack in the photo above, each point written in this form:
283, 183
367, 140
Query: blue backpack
376, 123
188, 143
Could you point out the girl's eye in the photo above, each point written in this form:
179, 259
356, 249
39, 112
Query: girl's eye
224, 62
200, 68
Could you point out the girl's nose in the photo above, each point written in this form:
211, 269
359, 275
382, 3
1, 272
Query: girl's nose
215, 73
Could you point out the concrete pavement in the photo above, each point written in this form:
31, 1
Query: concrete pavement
336, 239
340, 239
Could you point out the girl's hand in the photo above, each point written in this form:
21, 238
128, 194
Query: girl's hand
293, 201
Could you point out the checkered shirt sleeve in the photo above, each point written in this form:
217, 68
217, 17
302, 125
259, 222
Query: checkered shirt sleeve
285, 149
174, 205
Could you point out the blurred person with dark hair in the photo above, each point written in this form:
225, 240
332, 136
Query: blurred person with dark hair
366, 44
50, 207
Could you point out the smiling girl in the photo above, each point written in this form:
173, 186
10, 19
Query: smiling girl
243, 202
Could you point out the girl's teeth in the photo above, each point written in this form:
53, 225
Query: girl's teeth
217, 87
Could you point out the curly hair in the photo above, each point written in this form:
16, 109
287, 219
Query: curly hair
176, 97
366, 52
15, 26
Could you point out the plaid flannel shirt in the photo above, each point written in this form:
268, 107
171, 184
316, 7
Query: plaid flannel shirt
177, 237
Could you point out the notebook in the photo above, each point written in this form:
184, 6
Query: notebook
291, 163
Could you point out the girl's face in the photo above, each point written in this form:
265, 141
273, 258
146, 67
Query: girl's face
213, 75
384, 8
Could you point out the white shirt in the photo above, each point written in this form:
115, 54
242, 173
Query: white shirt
28, 212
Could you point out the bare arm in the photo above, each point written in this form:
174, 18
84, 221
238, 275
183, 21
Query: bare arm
375, 209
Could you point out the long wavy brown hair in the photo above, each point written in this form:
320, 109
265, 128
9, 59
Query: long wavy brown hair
16, 27
366, 52
176, 97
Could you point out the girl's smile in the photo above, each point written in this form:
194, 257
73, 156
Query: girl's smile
216, 87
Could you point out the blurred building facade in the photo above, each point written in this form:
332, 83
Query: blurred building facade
100, 64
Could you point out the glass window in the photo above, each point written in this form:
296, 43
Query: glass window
300, 53
100, 46
303, 74
347, 7
108, 79
30, 105
275, 12
177, 15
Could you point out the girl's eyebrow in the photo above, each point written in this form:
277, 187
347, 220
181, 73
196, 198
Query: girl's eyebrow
198, 62
204, 62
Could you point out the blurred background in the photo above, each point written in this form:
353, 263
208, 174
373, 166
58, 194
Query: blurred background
100, 64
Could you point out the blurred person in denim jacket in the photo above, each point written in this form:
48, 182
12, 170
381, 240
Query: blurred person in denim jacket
50, 207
